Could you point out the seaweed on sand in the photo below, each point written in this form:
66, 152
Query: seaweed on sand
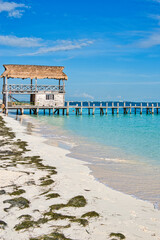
17, 202
47, 182
81, 221
118, 235
92, 214
17, 192
52, 195
78, 201
51, 236
3, 224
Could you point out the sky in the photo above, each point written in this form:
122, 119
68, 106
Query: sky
110, 48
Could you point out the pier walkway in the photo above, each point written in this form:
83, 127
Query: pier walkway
100, 107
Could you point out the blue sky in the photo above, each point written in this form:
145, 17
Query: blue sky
110, 48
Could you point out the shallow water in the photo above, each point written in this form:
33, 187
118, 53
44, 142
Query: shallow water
123, 151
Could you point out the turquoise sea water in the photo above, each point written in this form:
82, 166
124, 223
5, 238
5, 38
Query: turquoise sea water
123, 151
131, 135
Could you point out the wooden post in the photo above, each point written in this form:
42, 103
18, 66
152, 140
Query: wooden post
67, 113
89, 112
124, 108
44, 111
64, 86
76, 108
100, 108
49, 111
141, 109
31, 98
22, 111
157, 108
106, 108
112, 107
152, 109
93, 109
147, 109
6, 103
4, 89
36, 84
130, 110
117, 108
59, 84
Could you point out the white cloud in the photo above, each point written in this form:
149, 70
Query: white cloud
83, 95
14, 41
151, 41
13, 9
40, 46
62, 45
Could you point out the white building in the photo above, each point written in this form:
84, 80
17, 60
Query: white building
40, 95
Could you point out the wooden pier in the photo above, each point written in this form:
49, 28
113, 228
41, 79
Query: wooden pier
90, 108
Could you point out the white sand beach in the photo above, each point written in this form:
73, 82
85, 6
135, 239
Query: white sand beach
119, 213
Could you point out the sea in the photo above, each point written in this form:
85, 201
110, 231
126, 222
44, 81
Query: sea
122, 151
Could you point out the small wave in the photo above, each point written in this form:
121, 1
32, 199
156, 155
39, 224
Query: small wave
117, 160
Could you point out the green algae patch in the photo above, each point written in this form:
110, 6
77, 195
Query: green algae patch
2, 192
92, 214
3, 224
118, 235
41, 221
52, 236
57, 216
17, 202
22, 145
17, 192
51, 169
57, 206
81, 221
28, 223
37, 161
24, 225
47, 182
52, 195
25, 217
78, 201
43, 193
5, 131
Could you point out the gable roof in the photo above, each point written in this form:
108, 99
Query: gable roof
33, 71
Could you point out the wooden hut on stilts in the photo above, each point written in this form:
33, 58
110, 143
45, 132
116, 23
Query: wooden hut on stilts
40, 95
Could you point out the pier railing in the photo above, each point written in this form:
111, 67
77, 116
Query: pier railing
30, 89
95, 107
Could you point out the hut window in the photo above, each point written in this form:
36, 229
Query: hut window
49, 96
